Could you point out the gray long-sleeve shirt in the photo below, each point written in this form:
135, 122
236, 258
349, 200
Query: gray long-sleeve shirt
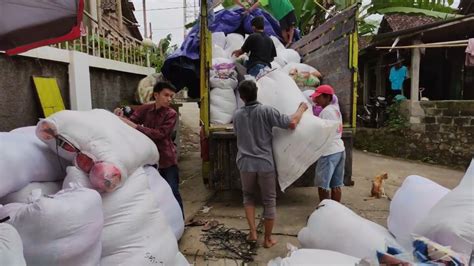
253, 125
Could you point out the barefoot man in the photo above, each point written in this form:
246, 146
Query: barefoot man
253, 125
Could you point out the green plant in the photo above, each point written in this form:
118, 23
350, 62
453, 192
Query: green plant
434, 5
159, 53
396, 120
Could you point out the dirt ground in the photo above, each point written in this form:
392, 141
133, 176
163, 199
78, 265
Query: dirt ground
293, 207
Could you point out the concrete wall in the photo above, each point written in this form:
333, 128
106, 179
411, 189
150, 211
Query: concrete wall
85, 82
18, 99
440, 132
112, 88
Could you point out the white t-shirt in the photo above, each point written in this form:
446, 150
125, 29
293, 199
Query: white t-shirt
331, 112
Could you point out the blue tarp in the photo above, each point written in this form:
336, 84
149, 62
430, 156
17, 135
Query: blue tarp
182, 67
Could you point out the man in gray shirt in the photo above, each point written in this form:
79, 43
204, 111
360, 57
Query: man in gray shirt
253, 125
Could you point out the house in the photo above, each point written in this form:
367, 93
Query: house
433, 49
440, 70
105, 14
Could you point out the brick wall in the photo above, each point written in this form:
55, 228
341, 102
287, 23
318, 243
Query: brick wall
440, 132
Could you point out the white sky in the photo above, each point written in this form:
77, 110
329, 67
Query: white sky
167, 20
170, 18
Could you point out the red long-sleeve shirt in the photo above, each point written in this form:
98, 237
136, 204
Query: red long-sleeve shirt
158, 124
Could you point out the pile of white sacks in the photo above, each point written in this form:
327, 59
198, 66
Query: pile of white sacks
59, 208
420, 207
294, 150
224, 79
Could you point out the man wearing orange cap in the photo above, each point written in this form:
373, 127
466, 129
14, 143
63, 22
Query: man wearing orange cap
329, 177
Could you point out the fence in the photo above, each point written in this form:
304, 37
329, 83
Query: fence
109, 43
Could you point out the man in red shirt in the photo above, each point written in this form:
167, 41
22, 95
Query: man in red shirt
157, 121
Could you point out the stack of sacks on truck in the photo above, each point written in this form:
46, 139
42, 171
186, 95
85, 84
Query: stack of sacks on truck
294, 150
223, 78
427, 223
112, 209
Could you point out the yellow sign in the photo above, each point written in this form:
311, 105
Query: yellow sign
49, 95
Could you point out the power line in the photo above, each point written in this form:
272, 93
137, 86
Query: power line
165, 8
173, 28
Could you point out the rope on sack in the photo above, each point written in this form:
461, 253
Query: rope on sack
230, 243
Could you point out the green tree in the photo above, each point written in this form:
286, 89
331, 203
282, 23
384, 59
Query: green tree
160, 52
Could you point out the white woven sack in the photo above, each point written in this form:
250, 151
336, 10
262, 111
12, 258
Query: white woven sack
11, 246
135, 229
275, 65
315, 257
26, 159
307, 94
288, 56
219, 39
222, 105
234, 39
61, 229
117, 149
21, 196
332, 226
451, 221
181, 260
218, 52
410, 204
294, 150
166, 201
280, 61
278, 45
25, 130
234, 42
300, 67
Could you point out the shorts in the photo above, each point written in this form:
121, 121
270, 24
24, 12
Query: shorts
288, 21
255, 70
330, 171
266, 182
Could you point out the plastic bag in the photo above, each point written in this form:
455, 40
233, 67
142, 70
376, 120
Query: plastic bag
114, 149
21, 196
333, 226
410, 204
315, 257
222, 105
26, 159
11, 246
166, 201
135, 229
62, 229
294, 150
451, 221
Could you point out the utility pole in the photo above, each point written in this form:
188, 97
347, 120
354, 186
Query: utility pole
151, 31
144, 19
185, 5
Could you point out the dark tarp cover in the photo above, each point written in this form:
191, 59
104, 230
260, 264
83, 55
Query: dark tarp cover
27, 24
182, 67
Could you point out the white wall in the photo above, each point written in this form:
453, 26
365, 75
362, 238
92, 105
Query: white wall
79, 75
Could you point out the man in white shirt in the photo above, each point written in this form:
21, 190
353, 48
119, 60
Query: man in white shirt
329, 177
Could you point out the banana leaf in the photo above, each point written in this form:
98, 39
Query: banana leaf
412, 10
